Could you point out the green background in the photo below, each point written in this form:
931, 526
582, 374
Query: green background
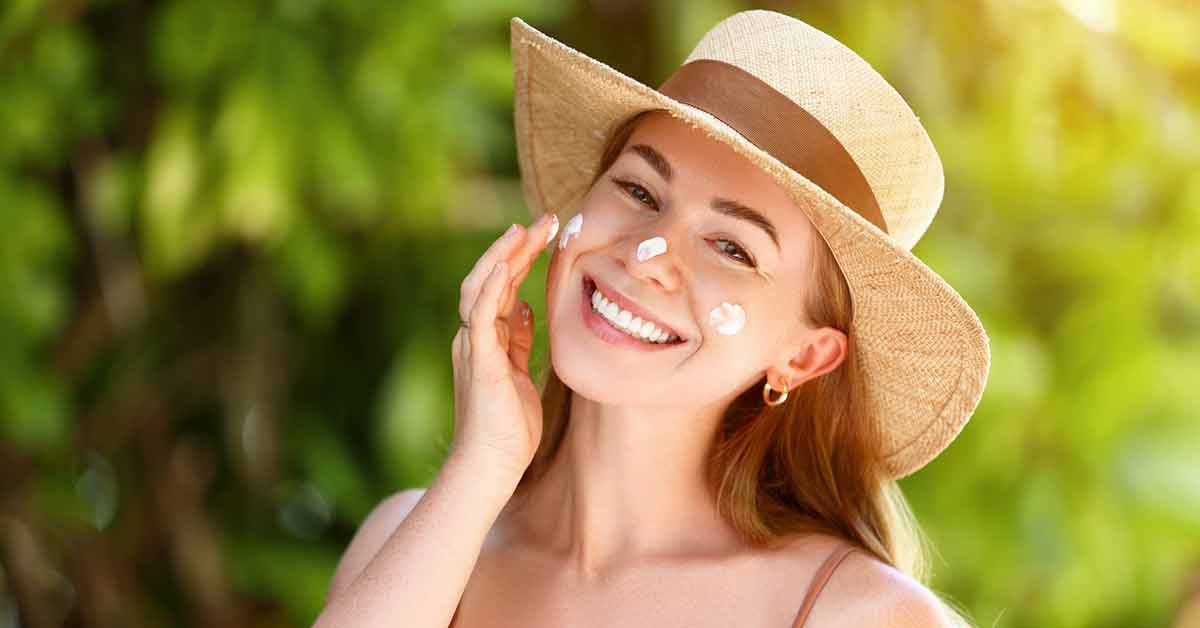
232, 235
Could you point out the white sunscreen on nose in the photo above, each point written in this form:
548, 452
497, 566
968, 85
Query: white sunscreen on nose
728, 318
651, 247
571, 229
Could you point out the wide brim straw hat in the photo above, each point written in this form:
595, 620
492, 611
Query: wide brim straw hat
847, 148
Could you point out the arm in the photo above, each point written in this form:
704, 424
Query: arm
427, 554
419, 574
372, 534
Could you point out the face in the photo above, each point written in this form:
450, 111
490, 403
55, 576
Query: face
665, 231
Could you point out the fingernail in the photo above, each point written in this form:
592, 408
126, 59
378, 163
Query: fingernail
553, 228
511, 230
525, 314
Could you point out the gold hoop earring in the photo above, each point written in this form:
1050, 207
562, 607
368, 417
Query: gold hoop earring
767, 393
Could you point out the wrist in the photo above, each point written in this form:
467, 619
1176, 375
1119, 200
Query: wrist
487, 460
479, 474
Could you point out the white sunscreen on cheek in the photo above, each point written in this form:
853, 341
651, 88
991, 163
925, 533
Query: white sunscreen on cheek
728, 318
651, 247
570, 229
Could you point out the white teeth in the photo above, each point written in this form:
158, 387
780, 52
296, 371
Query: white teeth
626, 321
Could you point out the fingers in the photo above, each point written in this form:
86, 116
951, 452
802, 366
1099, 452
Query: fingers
521, 343
501, 249
519, 247
483, 335
521, 260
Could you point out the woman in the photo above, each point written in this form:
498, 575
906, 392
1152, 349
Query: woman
745, 358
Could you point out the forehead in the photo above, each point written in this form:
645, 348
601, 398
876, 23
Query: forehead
689, 146
707, 167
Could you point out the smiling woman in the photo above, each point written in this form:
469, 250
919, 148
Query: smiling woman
745, 358
807, 467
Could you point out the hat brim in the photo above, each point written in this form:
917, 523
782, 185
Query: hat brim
922, 351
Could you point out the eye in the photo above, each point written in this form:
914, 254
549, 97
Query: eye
640, 193
637, 192
745, 258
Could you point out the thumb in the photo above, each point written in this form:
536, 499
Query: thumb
520, 344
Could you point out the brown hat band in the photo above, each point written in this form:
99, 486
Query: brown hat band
776, 124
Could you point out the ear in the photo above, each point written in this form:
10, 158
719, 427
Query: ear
821, 350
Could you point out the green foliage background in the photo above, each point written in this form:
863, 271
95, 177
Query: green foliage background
233, 233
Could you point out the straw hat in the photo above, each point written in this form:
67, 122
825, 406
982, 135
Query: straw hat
845, 145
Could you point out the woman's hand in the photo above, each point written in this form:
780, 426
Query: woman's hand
497, 408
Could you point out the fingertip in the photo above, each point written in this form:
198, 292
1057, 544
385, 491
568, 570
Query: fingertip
553, 228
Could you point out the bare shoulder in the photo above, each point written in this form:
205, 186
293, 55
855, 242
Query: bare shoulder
865, 591
371, 535
862, 591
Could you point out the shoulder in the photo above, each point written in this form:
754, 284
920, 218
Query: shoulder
865, 591
372, 534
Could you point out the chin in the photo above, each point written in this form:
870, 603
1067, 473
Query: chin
595, 359
579, 369
605, 374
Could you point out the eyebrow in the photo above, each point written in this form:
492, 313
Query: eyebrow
725, 206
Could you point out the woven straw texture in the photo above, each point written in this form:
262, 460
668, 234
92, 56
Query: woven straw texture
923, 352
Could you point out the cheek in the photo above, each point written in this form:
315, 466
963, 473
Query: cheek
728, 318
610, 205
599, 220
728, 307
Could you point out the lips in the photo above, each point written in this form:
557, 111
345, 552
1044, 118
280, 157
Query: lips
626, 303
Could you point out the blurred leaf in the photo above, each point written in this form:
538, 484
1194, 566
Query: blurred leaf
295, 575
313, 269
411, 424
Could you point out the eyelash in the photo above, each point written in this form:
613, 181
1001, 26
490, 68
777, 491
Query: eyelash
630, 188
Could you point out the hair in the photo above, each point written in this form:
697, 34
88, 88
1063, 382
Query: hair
810, 464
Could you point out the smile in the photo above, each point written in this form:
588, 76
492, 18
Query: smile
618, 320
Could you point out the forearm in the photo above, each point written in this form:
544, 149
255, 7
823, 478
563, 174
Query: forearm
421, 571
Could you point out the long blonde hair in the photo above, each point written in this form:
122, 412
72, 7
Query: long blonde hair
810, 464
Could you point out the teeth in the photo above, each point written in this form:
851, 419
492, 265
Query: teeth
627, 322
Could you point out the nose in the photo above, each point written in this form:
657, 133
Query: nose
663, 269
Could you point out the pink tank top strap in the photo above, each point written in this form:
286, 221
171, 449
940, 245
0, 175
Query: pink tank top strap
818, 582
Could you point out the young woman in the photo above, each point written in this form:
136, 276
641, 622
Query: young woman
745, 358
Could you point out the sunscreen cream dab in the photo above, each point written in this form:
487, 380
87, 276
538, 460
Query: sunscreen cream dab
728, 318
651, 247
570, 229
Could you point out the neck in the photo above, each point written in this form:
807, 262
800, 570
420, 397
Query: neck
629, 485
